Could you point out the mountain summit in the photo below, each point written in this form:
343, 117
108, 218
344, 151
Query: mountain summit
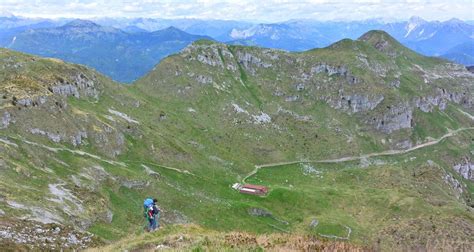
383, 42
81, 23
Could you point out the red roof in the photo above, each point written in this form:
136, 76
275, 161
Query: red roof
255, 187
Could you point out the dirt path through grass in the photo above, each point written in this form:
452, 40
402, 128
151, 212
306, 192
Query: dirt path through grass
353, 158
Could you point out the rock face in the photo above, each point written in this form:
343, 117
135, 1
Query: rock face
335, 70
30, 102
249, 61
80, 84
441, 99
6, 119
66, 90
262, 118
465, 169
44, 237
399, 117
356, 102
211, 60
51, 136
77, 139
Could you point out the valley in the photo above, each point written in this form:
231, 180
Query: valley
363, 144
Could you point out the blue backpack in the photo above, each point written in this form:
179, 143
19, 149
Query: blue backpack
147, 204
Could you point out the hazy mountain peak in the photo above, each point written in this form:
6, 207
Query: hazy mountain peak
455, 21
416, 20
172, 28
81, 23
413, 24
171, 31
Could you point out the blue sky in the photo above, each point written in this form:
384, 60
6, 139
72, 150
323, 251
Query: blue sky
259, 10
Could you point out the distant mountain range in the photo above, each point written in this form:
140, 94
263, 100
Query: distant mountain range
300, 35
217, 29
432, 38
125, 49
121, 55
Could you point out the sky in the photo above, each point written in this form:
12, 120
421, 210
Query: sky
257, 10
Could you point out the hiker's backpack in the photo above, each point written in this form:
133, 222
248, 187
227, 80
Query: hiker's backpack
146, 205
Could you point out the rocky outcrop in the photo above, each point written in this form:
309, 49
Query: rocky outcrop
262, 118
465, 169
357, 103
51, 136
78, 85
6, 120
77, 139
249, 61
212, 59
441, 99
335, 70
29, 102
292, 98
86, 85
397, 117
66, 90
214, 55
43, 237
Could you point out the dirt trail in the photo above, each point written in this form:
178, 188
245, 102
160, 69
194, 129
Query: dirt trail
466, 114
57, 149
353, 158
183, 171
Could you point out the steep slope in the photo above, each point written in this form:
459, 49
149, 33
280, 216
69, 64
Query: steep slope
120, 55
361, 141
374, 77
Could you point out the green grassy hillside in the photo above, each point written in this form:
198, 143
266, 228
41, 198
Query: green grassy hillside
364, 142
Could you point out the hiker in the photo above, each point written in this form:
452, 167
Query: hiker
151, 213
148, 214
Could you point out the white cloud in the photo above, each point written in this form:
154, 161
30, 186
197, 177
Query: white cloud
264, 11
